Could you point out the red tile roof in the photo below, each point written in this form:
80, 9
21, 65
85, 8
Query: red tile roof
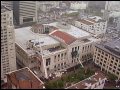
25, 79
92, 20
68, 39
85, 22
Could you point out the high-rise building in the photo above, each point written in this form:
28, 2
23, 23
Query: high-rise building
24, 11
27, 11
8, 56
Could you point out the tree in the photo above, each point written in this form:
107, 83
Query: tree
112, 77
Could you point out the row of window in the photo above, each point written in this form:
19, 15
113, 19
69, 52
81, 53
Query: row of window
111, 67
86, 48
75, 48
101, 53
60, 65
60, 55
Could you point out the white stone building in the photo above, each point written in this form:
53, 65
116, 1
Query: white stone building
8, 56
94, 25
61, 49
96, 81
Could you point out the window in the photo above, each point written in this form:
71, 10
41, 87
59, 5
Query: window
55, 66
97, 57
104, 65
47, 61
110, 64
104, 61
106, 54
110, 68
31, 61
47, 69
72, 61
114, 71
119, 69
102, 56
62, 55
105, 58
111, 61
114, 67
116, 60
75, 48
65, 54
112, 58
99, 51
116, 64
98, 54
118, 73
78, 47
58, 56
55, 57
58, 65
102, 52
72, 49
83, 48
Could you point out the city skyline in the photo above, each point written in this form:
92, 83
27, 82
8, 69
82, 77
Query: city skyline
60, 44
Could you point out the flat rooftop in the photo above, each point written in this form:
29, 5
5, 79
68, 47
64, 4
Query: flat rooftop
112, 47
87, 82
72, 30
23, 35
27, 79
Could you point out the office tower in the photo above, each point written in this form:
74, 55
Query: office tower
23, 11
27, 11
8, 57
